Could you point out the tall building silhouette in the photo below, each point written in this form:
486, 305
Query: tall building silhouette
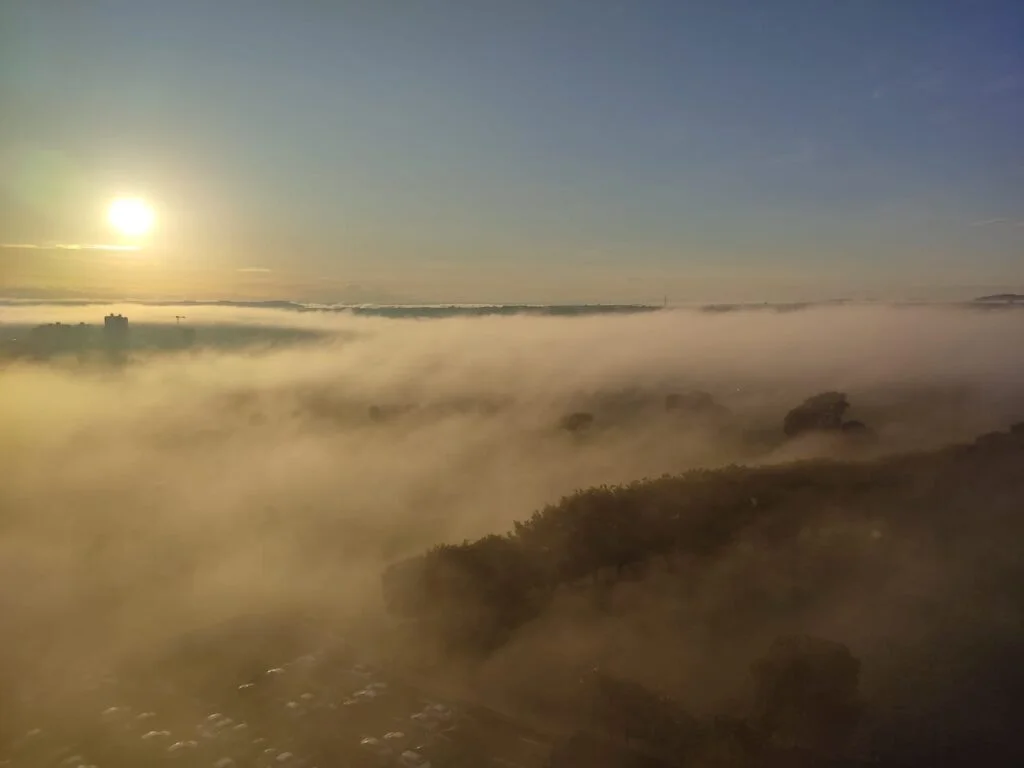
115, 333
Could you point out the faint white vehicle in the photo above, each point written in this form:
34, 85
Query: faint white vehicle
434, 717
363, 696
362, 670
378, 748
412, 759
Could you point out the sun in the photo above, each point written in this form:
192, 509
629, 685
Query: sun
131, 216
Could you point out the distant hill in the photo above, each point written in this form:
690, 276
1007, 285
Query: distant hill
1011, 298
703, 513
678, 581
412, 311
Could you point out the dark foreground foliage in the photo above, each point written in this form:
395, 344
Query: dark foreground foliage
697, 514
962, 505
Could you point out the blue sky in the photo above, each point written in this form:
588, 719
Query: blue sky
509, 151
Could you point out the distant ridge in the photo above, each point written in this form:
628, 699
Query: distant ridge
471, 310
430, 311
1009, 298
412, 311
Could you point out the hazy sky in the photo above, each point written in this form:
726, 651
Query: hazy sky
515, 151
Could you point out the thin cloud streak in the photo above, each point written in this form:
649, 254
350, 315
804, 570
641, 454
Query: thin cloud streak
68, 247
997, 222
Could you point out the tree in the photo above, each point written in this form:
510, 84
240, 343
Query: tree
859, 433
806, 694
631, 712
577, 422
823, 412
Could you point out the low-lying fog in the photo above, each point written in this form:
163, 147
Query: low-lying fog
140, 501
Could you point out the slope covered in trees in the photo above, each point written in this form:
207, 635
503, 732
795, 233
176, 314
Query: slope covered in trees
699, 514
908, 562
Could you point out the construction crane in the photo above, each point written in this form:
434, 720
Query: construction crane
178, 319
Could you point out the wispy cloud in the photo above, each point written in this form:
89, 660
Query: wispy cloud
998, 221
255, 270
68, 247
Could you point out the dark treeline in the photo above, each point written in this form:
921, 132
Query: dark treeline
962, 504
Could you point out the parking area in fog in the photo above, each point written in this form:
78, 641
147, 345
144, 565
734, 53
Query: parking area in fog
321, 708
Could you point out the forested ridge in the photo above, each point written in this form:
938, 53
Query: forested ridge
811, 538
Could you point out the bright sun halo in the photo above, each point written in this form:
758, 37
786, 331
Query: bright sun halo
131, 216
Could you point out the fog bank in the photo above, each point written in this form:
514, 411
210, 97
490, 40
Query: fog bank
140, 501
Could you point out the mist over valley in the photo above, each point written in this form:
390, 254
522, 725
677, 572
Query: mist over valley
284, 462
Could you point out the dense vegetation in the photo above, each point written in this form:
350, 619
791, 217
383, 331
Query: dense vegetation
823, 527
697, 514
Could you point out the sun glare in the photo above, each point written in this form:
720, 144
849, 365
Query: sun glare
131, 216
